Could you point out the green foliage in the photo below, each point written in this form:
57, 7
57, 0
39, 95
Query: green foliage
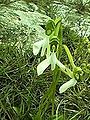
14, 77
19, 28
23, 94
52, 56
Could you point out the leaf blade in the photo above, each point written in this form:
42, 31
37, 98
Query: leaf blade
69, 56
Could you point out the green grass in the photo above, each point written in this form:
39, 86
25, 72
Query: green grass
17, 78
20, 87
21, 90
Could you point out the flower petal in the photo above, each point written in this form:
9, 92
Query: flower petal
42, 66
67, 85
45, 46
53, 61
37, 46
43, 49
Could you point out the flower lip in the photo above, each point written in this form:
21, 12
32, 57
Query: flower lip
51, 60
67, 85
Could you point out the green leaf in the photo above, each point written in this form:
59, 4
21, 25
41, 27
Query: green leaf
69, 56
67, 85
50, 27
57, 20
16, 109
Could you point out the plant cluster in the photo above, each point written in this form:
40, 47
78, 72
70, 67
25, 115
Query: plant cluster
44, 62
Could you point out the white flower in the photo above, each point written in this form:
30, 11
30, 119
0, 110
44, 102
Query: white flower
44, 44
45, 63
67, 85
53, 61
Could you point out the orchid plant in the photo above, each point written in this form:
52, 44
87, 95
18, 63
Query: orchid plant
49, 48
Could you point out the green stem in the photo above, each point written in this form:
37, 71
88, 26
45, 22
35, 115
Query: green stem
57, 71
50, 94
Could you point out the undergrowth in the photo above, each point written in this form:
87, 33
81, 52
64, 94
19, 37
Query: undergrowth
22, 90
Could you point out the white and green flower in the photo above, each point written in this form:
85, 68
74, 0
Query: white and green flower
67, 85
43, 45
53, 61
50, 60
